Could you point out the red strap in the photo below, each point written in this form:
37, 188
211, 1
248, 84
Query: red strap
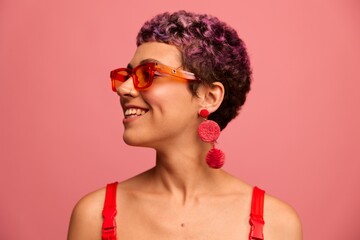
109, 213
256, 217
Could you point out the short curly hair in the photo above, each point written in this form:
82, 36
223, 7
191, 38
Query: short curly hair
210, 49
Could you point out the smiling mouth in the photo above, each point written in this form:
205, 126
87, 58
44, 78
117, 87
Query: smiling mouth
134, 112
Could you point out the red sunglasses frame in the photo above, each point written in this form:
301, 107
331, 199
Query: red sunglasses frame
153, 68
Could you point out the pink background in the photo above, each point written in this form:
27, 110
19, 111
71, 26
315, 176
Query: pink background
61, 133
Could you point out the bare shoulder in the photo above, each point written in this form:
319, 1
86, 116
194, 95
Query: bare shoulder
281, 220
86, 218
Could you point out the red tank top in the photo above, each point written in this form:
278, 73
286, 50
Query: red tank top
109, 213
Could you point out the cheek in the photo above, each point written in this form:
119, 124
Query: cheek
172, 98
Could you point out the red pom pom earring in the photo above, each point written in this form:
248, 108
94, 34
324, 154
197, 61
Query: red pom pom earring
209, 131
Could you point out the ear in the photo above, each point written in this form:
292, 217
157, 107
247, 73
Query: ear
211, 96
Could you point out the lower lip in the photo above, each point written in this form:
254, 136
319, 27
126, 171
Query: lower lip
131, 119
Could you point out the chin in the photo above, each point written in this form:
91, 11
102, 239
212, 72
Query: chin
134, 141
130, 141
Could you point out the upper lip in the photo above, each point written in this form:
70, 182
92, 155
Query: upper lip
127, 106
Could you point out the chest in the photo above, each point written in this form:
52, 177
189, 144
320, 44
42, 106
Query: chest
212, 220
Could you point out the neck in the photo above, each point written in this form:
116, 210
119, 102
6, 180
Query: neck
184, 173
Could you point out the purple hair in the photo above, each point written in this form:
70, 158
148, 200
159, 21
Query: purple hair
211, 49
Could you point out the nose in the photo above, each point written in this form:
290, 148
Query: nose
127, 88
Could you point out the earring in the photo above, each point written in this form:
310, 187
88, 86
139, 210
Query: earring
209, 131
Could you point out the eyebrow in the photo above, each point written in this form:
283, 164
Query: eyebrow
147, 60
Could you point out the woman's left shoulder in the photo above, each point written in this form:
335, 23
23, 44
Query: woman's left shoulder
281, 220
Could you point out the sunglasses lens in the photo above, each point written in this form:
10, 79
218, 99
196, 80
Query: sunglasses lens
118, 77
144, 76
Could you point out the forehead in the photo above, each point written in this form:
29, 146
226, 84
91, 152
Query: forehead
164, 53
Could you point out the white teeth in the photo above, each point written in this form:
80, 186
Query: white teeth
134, 111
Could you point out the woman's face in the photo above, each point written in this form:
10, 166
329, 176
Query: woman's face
163, 114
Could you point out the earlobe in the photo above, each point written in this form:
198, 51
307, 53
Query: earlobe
212, 96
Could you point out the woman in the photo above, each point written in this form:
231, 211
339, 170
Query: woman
187, 79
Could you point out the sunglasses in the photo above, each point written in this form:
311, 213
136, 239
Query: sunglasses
143, 75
